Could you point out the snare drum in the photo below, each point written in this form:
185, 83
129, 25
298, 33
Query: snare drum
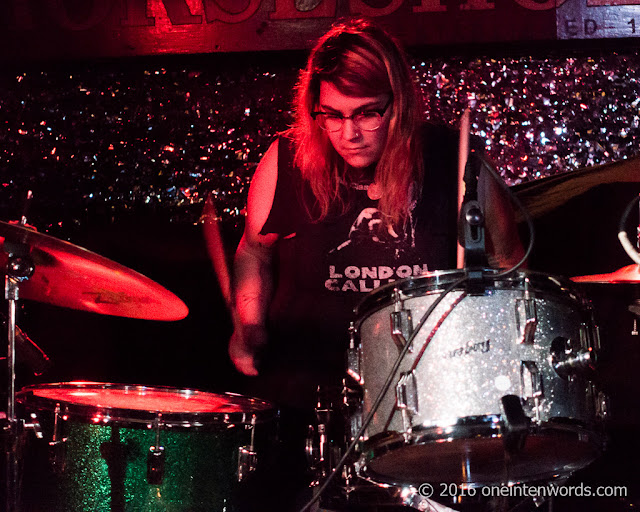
528, 337
137, 448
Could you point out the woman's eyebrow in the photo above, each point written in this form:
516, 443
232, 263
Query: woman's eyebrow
364, 106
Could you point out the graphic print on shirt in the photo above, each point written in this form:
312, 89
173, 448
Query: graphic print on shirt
370, 235
369, 227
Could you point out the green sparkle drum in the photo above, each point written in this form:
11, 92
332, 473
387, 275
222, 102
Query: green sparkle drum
136, 448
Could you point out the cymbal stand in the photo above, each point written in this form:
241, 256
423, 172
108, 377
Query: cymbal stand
19, 268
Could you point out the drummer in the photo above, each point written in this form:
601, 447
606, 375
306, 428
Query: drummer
358, 193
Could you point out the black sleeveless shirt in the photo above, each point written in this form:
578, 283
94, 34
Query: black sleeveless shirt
323, 269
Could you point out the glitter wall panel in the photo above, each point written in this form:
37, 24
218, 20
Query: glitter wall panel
107, 141
113, 139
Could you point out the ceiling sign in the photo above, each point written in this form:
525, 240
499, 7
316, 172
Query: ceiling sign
44, 29
70, 29
598, 19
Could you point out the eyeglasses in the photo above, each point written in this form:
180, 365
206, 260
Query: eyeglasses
366, 120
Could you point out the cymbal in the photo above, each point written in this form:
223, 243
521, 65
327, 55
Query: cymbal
545, 195
69, 276
628, 274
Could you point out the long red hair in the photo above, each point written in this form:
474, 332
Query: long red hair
360, 59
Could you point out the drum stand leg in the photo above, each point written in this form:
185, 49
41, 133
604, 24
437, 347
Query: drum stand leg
10, 427
19, 268
114, 454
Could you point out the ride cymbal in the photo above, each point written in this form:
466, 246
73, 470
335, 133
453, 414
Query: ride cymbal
625, 275
69, 276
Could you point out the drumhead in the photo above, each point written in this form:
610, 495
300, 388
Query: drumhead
106, 403
538, 283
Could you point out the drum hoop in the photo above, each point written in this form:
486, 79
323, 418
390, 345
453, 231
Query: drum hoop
436, 282
261, 412
478, 426
490, 425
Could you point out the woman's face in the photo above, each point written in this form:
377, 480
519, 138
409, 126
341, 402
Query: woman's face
358, 148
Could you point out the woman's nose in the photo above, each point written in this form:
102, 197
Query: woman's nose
349, 129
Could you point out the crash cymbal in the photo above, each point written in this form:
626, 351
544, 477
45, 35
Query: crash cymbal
69, 276
625, 275
542, 196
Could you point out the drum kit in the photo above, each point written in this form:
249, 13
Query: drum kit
110, 446
459, 384
497, 389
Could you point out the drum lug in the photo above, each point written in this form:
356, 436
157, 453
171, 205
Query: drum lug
352, 402
355, 424
312, 450
589, 345
401, 322
247, 455
156, 456
591, 336
531, 379
600, 402
353, 357
58, 444
322, 444
407, 398
247, 462
34, 426
351, 394
602, 405
526, 319
57, 455
320, 452
155, 465
532, 389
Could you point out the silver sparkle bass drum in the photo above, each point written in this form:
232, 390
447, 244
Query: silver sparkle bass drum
496, 387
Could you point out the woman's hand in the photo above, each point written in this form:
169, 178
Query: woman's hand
244, 348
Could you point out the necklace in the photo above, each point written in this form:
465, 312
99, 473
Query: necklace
373, 189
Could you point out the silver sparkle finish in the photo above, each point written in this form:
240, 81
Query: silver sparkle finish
446, 422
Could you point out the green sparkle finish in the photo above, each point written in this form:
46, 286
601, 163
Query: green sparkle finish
98, 439
200, 470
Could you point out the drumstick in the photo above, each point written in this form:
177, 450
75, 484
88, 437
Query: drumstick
215, 247
463, 153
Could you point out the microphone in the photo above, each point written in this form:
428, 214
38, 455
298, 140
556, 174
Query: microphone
472, 218
471, 238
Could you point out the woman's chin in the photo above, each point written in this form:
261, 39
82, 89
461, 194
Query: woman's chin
358, 161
